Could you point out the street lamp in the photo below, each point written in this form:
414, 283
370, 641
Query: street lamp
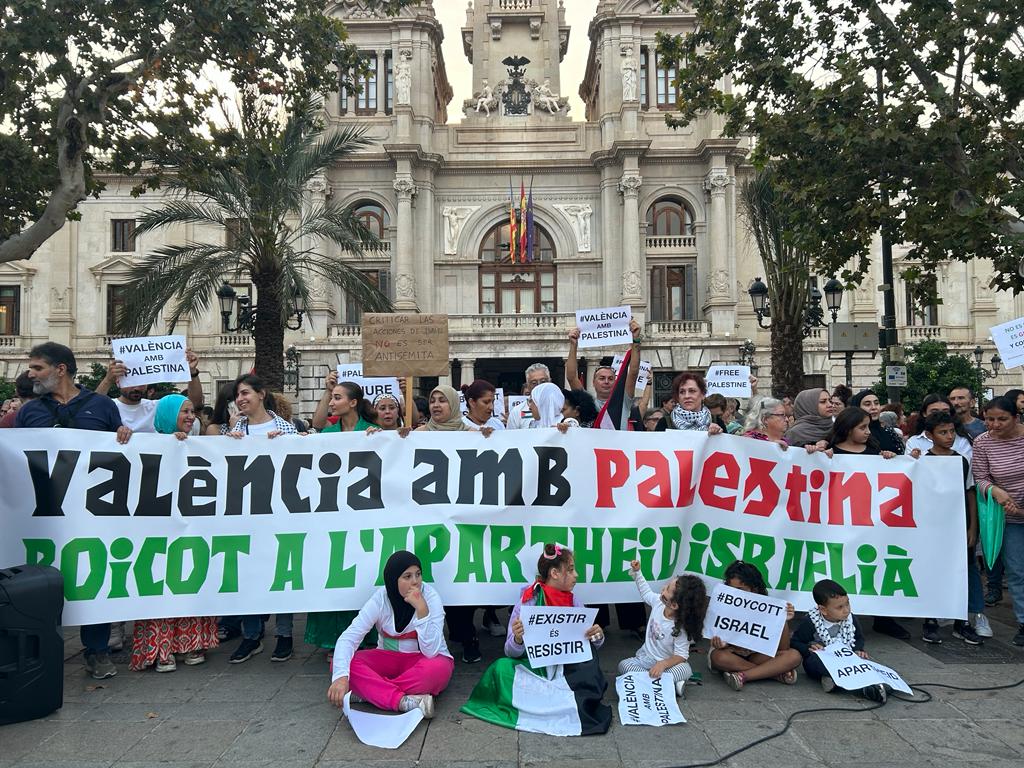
747, 351
245, 319
996, 362
814, 314
293, 359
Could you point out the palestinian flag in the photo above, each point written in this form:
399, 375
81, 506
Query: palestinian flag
615, 412
514, 695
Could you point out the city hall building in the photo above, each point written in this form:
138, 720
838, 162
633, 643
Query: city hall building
625, 211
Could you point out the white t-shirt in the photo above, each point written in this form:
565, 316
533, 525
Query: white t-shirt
520, 418
494, 422
138, 417
960, 444
659, 643
261, 429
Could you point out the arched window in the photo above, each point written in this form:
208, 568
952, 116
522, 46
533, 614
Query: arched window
374, 217
669, 216
520, 288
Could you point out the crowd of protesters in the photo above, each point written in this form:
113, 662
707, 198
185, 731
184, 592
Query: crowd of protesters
990, 443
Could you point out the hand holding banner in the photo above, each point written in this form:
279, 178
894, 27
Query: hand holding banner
608, 327
643, 701
151, 360
556, 635
853, 673
745, 619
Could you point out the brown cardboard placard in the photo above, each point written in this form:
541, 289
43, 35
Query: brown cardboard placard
405, 344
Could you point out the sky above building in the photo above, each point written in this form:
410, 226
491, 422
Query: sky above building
452, 15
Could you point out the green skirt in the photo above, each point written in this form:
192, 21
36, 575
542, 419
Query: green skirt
323, 629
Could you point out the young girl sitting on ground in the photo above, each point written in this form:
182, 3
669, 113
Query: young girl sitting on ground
739, 665
411, 663
677, 617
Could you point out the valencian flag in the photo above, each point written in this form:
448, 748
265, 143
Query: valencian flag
513, 235
530, 235
523, 254
615, 413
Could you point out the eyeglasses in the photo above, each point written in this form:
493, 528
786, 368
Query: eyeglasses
781, 415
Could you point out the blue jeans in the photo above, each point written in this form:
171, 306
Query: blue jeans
95, 638
995, 575
975, 592
1013, 561
253, 625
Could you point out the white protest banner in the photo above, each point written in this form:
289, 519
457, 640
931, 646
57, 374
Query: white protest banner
851, 672
151, 360
729, 380
373, 385
642, 377
215, 526
745, 619
1009, 340
383, 731
554, 635
608, 327
644, 701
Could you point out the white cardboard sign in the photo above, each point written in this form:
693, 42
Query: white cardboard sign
646, 701
607, 327
745, 619
1009, 340
151, 360
384, 731
729, 380
372, 386
554, 635
642, 377
851, 672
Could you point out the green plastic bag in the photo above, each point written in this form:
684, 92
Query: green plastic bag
991, 523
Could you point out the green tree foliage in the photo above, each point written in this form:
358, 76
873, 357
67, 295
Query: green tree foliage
97, 371
259, 195
931, 368
7, 390
857, 102
88, 85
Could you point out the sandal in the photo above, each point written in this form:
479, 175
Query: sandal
787, 678
735, 680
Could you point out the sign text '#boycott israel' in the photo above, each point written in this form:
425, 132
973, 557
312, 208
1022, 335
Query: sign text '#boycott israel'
161, 527
745, 619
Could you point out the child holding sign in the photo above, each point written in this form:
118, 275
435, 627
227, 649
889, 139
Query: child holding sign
829, 624
677, 617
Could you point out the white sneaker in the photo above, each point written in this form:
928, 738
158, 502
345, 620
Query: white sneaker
116, 642
681, 689
166, 666
424, 702
981, 625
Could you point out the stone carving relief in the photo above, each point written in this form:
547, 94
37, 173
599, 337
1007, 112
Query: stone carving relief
535, 27
317, 185
358, 9
716, 181
403, 77
483, 101
630, 90
455, 217
60, 301
718, 283
405, 287
545, 99
631, 287
579, 216
405, 188
629, 184
496, 29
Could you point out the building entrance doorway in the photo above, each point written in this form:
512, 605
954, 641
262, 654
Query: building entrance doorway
510, 373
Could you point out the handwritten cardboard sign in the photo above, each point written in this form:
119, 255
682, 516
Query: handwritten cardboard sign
745, 619
729, 380
556, 635
608, 327
405, 344
851, 672
151, 360
647, 701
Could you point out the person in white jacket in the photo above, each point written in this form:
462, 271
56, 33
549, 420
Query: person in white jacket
411, 663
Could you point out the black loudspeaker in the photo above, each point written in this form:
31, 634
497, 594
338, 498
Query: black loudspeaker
31, 644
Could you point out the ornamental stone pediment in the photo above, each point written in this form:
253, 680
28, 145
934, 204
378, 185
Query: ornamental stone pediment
117, 264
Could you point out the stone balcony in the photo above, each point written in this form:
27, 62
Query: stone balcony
11, 342
671, 245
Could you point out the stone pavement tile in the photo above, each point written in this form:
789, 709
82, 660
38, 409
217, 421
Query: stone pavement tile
164, 763
277, 739
259, 761
788, 749
19, 740
936, 709
537, 749
857, 708
142, 712
1007, 731
952, 739
71, 710
855, 741
34, 763
227, 687
302, 688
665, 746
187, 741
204, 711
470, 740
94, 741
344, 746
984, 705
741, 705
146, 686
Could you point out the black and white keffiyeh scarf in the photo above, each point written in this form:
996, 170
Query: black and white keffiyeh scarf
847, 632
697, 421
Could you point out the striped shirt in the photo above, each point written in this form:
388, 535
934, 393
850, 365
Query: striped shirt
1000, 463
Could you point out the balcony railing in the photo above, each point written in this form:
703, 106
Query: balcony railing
235, 339
516, 5
671, 243
665, 329
10, 341
921, 332
344, 331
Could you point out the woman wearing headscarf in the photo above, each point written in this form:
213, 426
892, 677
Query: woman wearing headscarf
812, 410
886, 437
157, 640
546, 401
411, 663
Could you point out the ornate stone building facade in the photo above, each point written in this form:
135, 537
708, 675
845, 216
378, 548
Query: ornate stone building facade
627, 211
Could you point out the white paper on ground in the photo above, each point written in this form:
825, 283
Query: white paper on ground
851, 672
643, 701
384, 731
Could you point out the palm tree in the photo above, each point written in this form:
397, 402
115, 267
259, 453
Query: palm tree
787, 273
256, 195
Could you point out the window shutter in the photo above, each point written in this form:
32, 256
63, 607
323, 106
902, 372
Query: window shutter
384, 282
690, 291
657, 294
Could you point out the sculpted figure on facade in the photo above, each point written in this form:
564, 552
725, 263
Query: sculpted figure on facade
718, 283
631, 287
630, 91
454, 218
403, 77
485, 99
405, 287
579, 215
544, 98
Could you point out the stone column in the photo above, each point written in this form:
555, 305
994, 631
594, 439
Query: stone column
719, 304
467, 371
405, 280
382, 82
632, 283
652, 78
611, 256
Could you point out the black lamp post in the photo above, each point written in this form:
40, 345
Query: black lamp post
747, 352
245, 319
983, 373
292, 376
814, 314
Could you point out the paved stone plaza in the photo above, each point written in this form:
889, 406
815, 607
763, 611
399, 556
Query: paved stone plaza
264, 714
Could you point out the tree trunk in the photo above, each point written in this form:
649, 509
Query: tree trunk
787, 356
268, 331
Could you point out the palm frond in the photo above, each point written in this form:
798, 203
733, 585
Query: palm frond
179, 212
324, 151
344, 275
339, 225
